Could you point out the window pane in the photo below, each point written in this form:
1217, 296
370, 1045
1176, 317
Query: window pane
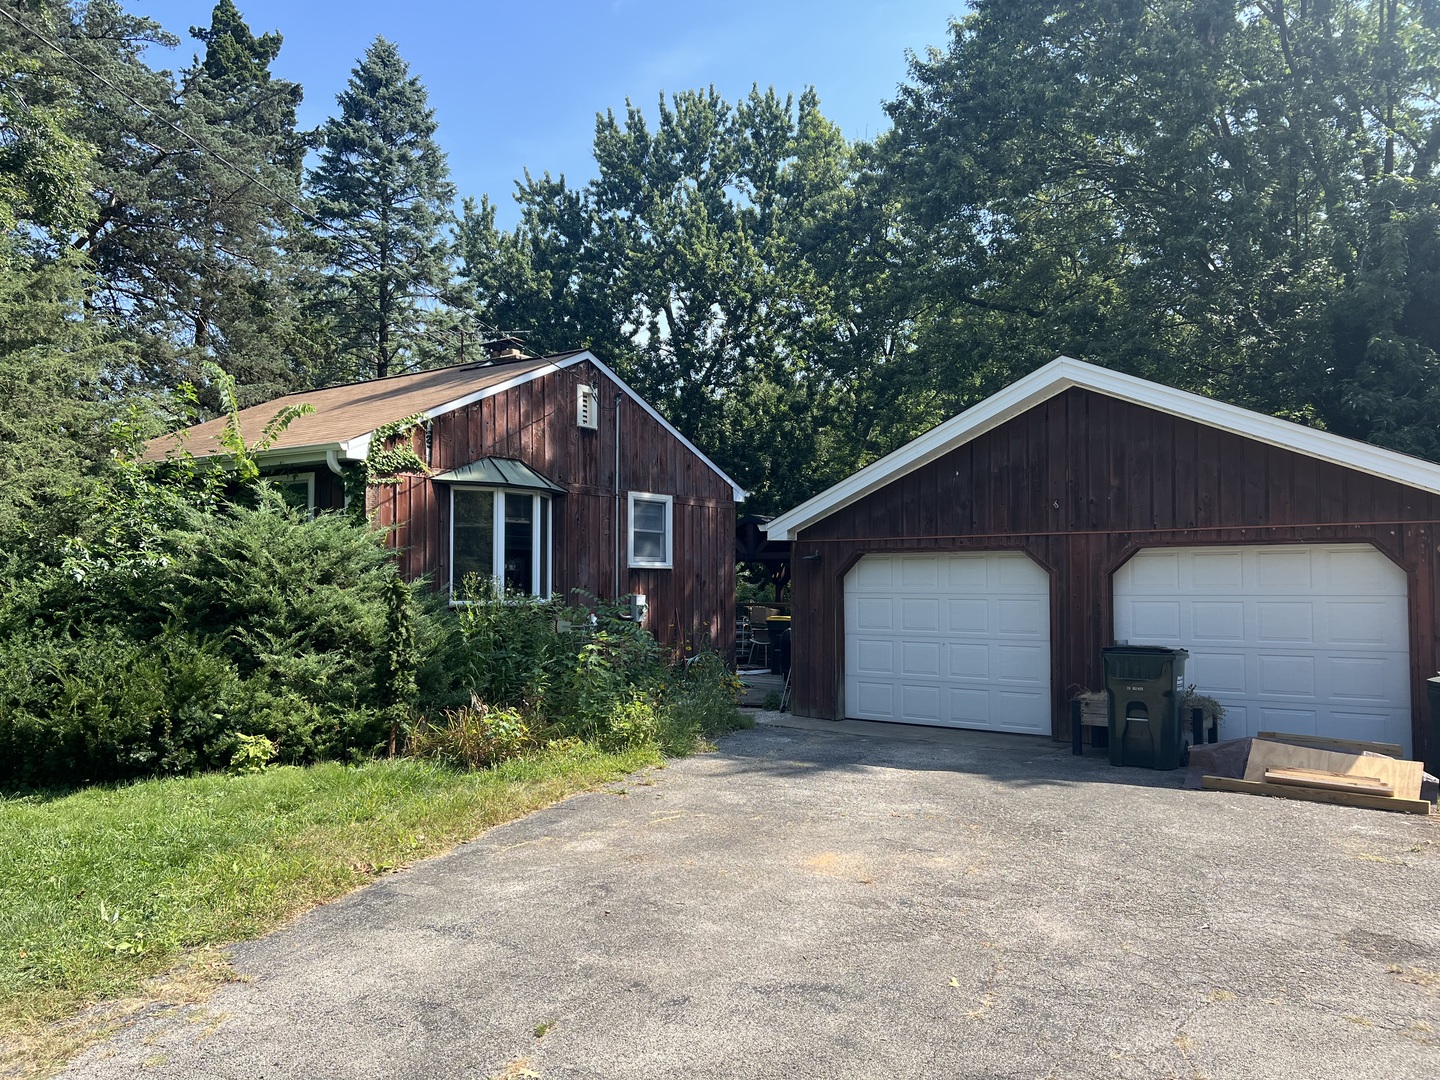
649, 516
519, 542
649, 546
296, 494
474, 535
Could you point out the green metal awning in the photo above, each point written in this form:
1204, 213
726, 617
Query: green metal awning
498, 472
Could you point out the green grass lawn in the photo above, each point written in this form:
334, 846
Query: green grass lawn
105, 887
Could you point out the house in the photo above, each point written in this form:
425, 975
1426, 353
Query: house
972, 577
548, 473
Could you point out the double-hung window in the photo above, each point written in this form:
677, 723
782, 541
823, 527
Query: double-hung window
502, 535
652, 529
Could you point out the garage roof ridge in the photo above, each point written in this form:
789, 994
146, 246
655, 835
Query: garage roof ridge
1065, 372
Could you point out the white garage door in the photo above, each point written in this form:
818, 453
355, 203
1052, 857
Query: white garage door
955, 640
1312, 639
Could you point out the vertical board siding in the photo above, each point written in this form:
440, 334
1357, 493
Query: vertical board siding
691, 604
1124, 477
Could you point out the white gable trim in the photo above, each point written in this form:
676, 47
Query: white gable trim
560, 365
357, 448
1060, 375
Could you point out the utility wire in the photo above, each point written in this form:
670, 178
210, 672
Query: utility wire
152, 115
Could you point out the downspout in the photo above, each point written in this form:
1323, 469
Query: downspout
615, 597
332, 462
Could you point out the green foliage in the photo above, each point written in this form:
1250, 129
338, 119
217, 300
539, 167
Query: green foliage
392, 451
1240, 200
55, 432
382, 189
242, 453
700, 703
103, 887
136, 660
730, 263
474, 736
253, 754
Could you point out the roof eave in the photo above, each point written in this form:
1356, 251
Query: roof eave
1065, 372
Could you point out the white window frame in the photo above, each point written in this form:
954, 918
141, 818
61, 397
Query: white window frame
542, 568
308, 478
647, 564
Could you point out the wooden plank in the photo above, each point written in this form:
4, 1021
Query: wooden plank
1403, 776
1301, 794
1340, 746
1331, 781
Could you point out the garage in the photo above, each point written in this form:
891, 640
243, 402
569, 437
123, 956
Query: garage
957, 640
1079, 506
1312, 638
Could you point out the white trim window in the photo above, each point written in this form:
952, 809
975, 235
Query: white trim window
297, 489
502, 534
652, 530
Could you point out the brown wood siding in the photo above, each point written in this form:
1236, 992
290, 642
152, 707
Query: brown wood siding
691, 604
1080, 483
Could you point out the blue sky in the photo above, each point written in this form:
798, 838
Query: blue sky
518, 85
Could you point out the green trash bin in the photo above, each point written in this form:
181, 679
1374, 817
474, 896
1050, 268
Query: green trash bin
1146, 684
1432, 755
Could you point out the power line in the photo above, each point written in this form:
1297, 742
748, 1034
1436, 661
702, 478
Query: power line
152, 115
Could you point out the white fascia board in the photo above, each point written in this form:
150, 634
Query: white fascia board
301, 455
1060, 375
736, 490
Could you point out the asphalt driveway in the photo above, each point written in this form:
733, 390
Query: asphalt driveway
817, 904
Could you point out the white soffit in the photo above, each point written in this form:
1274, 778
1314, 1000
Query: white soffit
1060, 375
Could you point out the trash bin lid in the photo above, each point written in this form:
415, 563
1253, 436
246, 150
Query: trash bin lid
1144, 650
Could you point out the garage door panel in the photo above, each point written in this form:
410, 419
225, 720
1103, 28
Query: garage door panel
1287, 676
1157, 568
920, 658
1218, 621
1288, 569
1372, 622
920, 574
968, 616
919, 704
919, 614
1217, 672
957, 640
1216, 570
874, 572
1284, 623
969, 708
1023, 617
874, 614
1156, 620
1018, 711
1296, 721
967, 572
1312, 638
1022, 663
968, 661
1360, 572
873, 657
876, 698
1359, 679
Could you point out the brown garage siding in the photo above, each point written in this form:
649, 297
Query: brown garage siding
691, 604
1081, 482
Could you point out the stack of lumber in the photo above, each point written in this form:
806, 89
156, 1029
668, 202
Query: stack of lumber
1340, 771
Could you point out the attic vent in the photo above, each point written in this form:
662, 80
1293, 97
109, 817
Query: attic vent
587, 407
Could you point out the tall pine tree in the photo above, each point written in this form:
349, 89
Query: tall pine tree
382, 188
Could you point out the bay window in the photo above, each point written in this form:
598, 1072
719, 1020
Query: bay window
502, 535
